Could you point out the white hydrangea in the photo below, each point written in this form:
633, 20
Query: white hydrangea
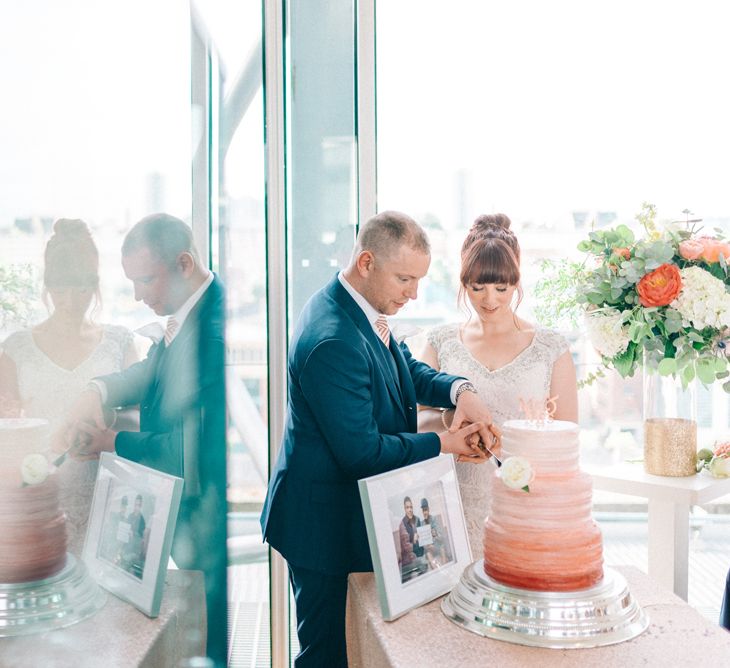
607, 332
703, 300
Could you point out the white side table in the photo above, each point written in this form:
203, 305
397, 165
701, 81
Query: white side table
669, 505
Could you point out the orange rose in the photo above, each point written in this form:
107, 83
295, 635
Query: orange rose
660, 287
625, 253
712, 249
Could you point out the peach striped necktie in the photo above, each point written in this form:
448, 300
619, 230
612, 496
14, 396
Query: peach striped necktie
381, 324
170, 330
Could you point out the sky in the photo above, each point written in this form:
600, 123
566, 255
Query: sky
96, 97
556, 106
544, 107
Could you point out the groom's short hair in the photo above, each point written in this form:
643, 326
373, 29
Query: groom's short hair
166, 236
388, 231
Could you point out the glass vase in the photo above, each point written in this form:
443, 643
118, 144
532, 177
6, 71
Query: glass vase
670, 425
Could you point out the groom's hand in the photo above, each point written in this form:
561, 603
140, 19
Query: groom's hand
463, 442
92, 441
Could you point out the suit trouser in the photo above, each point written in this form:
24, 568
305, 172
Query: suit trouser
321, 603
725, 610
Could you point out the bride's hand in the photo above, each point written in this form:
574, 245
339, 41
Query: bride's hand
470, 408
86, 409
462, 443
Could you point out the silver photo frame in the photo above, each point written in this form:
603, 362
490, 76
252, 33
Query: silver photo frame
131, 525
416, 532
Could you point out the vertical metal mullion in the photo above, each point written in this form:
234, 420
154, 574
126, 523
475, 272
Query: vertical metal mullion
200, 73
276, 281
366, 128
214, 183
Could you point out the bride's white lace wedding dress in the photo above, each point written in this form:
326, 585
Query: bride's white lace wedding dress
527, 377
48, 391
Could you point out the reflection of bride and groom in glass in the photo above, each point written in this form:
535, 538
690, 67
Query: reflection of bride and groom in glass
45, 367
422, 543
86, 378
125, 536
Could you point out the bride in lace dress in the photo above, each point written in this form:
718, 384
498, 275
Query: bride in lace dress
43, 369
505, 357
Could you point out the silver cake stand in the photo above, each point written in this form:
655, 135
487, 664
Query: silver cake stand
43, 605
601, 615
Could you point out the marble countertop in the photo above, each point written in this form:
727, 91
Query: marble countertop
119, 635
677, 635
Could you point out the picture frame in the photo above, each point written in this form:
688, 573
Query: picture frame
411, 571
131, 525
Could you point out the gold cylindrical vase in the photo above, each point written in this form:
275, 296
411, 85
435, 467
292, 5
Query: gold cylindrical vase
670, 446
670, 423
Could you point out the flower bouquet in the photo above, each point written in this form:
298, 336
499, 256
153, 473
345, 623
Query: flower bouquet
716, 461
662, 300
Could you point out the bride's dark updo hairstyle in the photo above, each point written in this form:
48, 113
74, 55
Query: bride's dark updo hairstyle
71, 258
490, 254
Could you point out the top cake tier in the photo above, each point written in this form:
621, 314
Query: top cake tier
551, 447
20, 437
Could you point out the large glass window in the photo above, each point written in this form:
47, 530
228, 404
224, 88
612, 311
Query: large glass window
97, 126
322, 186
93, 129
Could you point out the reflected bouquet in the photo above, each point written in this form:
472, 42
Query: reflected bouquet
662, 300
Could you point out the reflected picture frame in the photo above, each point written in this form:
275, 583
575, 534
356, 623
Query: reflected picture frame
416, 533
131, 526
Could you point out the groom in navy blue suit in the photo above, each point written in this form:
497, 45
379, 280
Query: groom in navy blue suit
353, 394
180, 390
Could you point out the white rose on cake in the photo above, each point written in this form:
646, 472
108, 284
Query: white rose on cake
516, 473
34, 469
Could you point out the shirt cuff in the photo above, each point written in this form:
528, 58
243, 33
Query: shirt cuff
100, 387
454, 387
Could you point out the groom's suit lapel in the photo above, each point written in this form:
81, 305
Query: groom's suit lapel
406, 385
387, 364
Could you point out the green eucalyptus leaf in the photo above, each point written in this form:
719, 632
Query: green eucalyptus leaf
626, 234
688, 374
625, 363
705, 372
667, 367
719, 364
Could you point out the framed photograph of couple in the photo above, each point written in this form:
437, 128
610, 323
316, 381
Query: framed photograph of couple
131, 525
416, 532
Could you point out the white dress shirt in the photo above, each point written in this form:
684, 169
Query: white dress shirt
372, 315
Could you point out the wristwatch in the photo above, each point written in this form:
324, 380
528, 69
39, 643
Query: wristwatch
464, 387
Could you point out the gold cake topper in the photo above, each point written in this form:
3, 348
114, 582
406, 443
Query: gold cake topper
539, 411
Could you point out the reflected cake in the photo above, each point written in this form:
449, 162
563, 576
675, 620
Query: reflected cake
544, 539
32, 525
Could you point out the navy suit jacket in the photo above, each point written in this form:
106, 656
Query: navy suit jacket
180, 390
181, 395
351, 414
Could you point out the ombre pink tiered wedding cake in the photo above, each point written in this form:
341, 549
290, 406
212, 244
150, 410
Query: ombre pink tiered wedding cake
544, 539
32, 525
